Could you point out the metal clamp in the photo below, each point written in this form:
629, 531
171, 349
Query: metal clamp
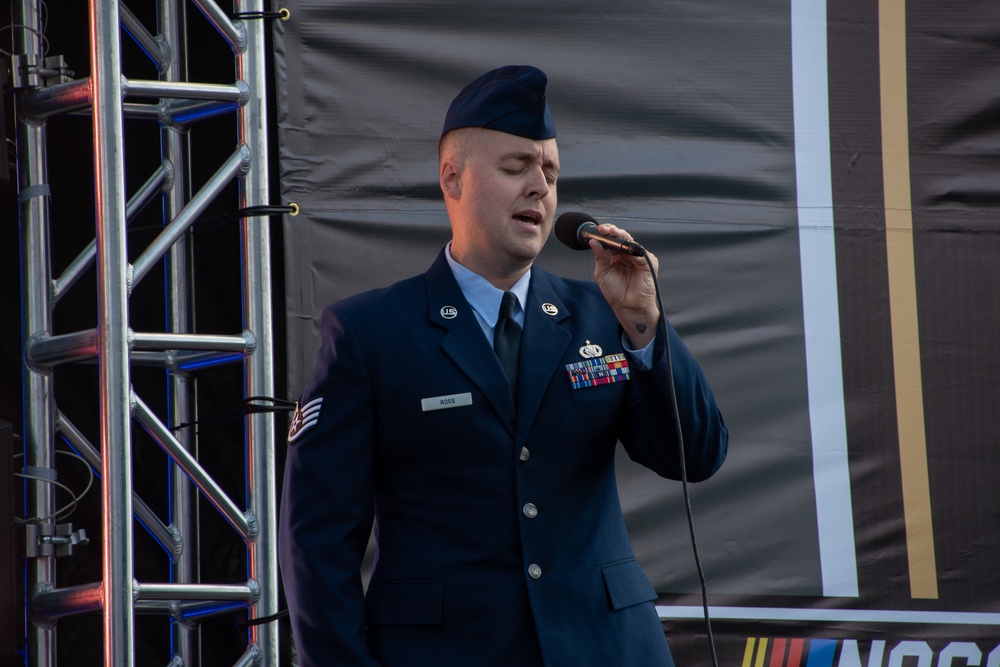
48, 540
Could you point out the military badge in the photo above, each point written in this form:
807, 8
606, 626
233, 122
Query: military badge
590, 351
304, 418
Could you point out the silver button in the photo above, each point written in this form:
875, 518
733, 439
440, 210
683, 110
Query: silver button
525, 453
530, 510
534, 571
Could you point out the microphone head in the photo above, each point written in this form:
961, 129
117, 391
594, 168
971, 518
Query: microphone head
568, 226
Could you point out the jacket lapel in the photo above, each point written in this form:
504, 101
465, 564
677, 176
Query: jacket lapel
542, 348
463, 340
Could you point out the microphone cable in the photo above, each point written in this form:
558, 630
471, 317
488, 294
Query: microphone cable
662, 329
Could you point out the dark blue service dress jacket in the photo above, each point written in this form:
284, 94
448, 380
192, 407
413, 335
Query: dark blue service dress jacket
500, 537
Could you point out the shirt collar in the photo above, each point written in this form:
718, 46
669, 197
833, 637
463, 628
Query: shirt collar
483, 296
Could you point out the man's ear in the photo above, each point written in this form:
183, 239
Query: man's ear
451, 180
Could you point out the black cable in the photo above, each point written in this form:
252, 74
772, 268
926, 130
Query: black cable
244, 624
662, 325
248, 406
207, 222
248, 212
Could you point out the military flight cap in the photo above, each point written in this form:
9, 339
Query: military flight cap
508, 99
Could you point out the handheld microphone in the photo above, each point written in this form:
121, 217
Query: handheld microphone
576, 230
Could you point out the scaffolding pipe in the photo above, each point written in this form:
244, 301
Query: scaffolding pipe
247, 592
235, 166
244, 522
36, 317
45, 352
251, 658
165, 535
51, 604
219, 92
56, 603
190, 612
243, 344
139, 111
185, 112
150, 45
112, 348
185, 363
262, 555
56, 99
160, 179
181, 403
232, 32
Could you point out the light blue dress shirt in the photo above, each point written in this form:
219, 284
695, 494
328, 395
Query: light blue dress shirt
485, 301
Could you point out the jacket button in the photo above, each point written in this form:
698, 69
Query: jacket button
534, 571
524, 454
530, 510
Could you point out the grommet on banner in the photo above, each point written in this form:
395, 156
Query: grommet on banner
282, 14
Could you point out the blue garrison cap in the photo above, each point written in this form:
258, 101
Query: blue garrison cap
509, 99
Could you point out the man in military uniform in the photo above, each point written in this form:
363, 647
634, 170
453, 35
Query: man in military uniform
472, 412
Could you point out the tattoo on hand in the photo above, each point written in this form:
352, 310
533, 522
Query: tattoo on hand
641, 328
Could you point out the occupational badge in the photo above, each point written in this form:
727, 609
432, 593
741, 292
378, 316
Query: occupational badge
591, 350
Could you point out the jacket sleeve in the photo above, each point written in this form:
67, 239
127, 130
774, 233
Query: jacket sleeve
326, 509
650, 435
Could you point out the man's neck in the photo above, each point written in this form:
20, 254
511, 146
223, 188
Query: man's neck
503, 278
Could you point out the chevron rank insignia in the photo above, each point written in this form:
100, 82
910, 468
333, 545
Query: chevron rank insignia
305, 417
593, 372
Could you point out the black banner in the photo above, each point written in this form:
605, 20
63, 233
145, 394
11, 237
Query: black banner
820, 185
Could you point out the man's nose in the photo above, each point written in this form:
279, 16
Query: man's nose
538, 184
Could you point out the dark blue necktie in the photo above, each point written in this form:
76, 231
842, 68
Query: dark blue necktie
507, 340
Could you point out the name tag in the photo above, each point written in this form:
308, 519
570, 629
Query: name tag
445, 402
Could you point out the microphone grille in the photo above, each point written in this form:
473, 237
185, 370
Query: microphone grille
566, 228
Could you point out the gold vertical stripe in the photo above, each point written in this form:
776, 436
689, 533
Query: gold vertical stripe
903, 300
748, 653
761, 652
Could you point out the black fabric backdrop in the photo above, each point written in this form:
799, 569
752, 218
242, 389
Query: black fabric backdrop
675, 120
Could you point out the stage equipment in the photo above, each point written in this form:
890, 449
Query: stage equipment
45, 92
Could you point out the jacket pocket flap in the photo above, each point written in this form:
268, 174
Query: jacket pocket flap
627, 584
405, 603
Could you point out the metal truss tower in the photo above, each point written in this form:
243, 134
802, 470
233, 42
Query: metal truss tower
44, 93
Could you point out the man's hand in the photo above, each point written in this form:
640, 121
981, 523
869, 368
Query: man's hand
627, 284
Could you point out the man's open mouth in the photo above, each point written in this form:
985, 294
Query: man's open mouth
530, 217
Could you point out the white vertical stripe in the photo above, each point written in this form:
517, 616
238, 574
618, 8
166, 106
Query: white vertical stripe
819, 299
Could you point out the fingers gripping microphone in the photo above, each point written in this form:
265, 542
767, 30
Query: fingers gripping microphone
576, 230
